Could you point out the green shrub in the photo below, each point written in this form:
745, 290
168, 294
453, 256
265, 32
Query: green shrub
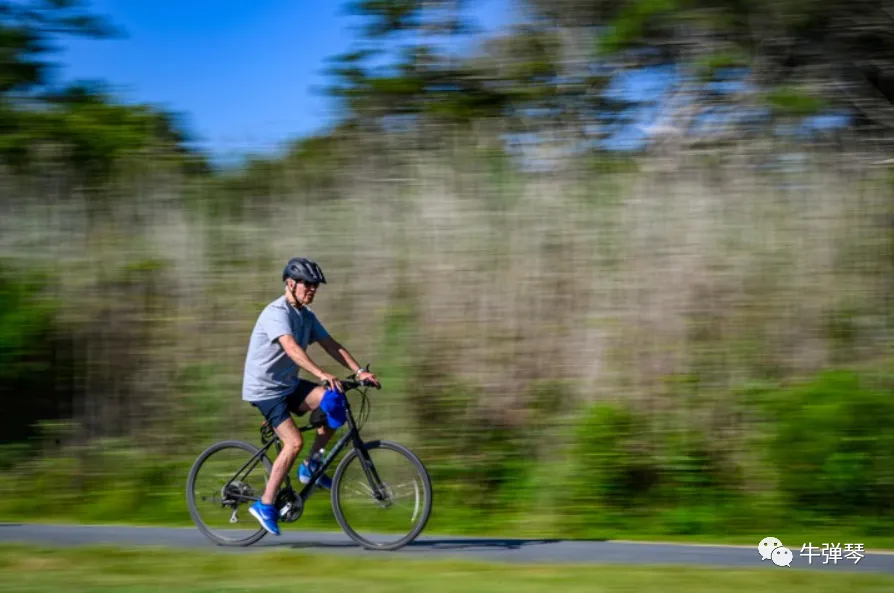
833, 444
35, 356
610, 474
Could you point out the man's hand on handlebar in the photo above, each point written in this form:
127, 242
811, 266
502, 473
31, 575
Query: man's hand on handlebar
331, 381
368, 377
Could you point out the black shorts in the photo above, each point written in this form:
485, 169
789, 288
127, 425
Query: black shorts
276, 410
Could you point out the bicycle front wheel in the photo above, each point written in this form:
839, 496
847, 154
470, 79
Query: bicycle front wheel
382, 495
222, 484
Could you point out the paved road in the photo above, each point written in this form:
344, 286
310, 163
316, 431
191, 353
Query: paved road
507, 550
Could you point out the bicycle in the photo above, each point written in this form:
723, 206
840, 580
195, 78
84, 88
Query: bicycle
228, 491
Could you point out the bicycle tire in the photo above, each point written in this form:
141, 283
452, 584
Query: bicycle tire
336, 502
190, 494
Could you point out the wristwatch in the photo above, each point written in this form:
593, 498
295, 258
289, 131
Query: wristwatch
358, 371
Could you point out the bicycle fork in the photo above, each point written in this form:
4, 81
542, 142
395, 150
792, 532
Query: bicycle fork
379, 491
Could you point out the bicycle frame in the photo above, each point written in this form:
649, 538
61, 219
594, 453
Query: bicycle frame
352, 435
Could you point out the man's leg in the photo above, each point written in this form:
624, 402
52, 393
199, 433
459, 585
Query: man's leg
311, 403
276, 413
292, 443
312, 396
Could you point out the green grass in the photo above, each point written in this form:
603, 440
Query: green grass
29, 568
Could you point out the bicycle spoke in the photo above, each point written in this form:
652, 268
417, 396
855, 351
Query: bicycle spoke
401, 509
219, 498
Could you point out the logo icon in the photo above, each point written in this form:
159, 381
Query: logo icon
766, 547
782, 556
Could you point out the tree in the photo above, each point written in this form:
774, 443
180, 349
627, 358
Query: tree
791, 57
406, 73
79, 124
416, 75
738, 68
27, 30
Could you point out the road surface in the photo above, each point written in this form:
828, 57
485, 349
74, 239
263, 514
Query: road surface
527, 551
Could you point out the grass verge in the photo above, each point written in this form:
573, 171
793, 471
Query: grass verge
29, 568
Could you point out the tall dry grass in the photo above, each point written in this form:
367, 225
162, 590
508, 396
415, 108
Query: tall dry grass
491, 301
611, 282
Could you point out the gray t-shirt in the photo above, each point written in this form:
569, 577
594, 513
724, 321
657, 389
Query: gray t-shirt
269, 372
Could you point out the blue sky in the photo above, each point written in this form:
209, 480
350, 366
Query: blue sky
245, 74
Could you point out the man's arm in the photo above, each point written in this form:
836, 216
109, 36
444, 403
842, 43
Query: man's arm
303, 359
339, 353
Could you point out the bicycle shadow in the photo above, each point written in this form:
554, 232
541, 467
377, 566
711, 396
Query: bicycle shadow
316, 545
432, 544
479, 543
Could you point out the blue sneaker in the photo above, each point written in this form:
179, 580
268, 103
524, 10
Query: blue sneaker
306, 470
266, 516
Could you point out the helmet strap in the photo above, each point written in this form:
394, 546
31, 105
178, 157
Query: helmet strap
297, 305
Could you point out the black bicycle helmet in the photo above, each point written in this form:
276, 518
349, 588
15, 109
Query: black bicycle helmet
301, 268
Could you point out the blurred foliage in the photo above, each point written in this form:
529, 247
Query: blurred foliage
832, 446
738, 63
36, 359
78, 126
791, 101
27, 30
85, 131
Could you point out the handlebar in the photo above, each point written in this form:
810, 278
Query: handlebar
354, 384
350, 383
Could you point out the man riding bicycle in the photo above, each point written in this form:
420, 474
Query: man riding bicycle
277, 351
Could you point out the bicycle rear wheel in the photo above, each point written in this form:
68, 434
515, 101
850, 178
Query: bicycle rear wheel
214, 505
382, 495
